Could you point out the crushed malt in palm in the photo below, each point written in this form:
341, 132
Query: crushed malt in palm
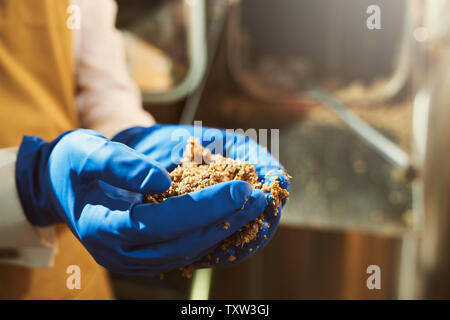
200, 169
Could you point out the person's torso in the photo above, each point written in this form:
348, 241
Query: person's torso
37, 78
37, 97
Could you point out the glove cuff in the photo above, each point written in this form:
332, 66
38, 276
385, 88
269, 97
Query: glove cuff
32, 180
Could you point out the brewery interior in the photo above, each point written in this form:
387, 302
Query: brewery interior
363, 112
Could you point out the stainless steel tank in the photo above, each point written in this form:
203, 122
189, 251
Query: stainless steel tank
434, 244
367, 188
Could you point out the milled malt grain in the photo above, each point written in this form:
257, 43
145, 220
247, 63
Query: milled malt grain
199, 169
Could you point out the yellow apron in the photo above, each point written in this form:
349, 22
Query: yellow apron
37, 95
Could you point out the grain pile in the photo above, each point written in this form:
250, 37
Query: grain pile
199, 169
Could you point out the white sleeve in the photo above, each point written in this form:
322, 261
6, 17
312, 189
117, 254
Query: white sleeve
20, 242
107, 100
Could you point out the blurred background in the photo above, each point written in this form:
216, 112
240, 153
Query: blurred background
364, 120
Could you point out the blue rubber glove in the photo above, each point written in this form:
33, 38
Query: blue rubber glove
165, 144
95, 186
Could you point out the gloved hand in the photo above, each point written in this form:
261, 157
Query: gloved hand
165, 144
81, 178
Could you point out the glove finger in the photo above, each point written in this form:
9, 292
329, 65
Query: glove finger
217, 257
179, 215
283, 182
187, 249
165, 144
121, 166
155, 258
277, 174
199, 243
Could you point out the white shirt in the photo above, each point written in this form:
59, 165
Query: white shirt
107, 101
